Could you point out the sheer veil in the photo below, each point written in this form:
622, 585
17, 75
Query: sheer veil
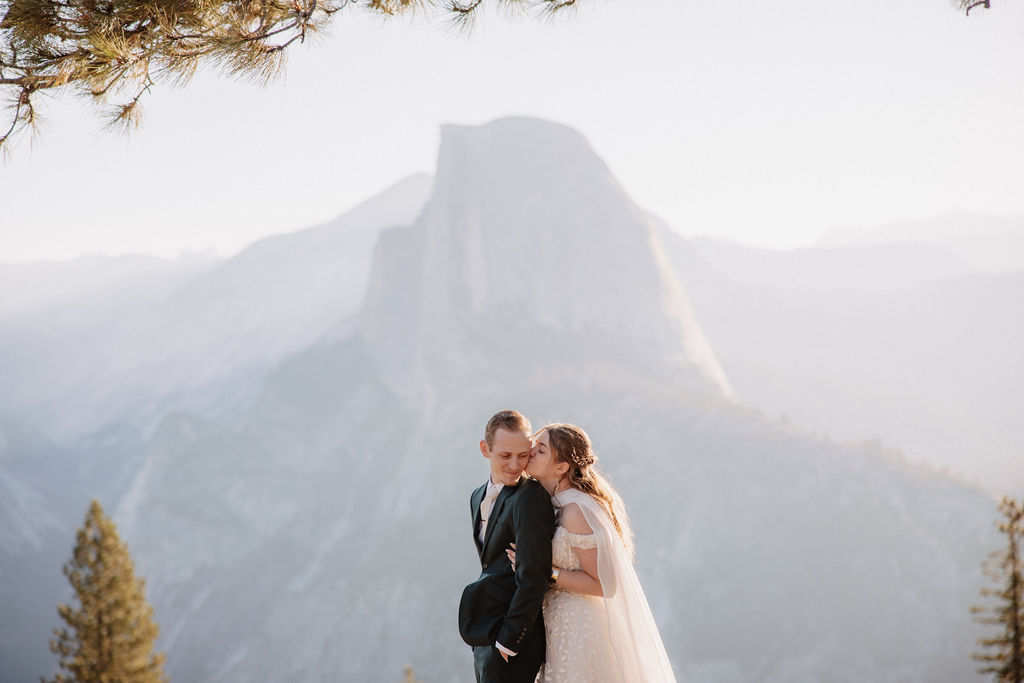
635, 642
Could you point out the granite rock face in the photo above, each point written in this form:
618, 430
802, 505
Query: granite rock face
318, 530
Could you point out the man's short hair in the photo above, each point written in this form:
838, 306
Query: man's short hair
512, 420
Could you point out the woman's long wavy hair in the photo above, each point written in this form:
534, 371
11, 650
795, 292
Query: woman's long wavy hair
571, 445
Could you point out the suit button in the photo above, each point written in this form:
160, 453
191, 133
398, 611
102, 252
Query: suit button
485, 565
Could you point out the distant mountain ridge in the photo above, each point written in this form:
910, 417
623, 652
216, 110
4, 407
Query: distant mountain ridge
315, 527
867, 267
204, 327
87, 380
988, 243
323, 520
28, 287
889, 341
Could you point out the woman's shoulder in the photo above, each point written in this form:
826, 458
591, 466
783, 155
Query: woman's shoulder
573, 518
592, 509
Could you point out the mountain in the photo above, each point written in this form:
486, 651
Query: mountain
319, 529
526, 224
871, 268
87, 377
139, 351
880, 341
64, 284
986, 243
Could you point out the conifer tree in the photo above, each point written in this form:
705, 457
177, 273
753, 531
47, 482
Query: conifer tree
1003, 654
106, 48
110, 636
968, 5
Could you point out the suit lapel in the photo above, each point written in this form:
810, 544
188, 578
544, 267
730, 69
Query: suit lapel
475, 500
503, 495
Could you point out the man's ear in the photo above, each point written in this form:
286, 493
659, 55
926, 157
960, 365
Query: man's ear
483, 449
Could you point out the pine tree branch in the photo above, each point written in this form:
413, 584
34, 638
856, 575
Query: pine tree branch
967, 10
91, 47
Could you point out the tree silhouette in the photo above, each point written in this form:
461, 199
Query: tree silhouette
1003, 654
110, 636
968, 5
106, 48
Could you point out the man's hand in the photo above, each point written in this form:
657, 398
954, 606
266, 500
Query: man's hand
511, 555
503, 651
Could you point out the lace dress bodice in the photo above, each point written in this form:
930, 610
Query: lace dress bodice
562, 555
590, 639
575, 624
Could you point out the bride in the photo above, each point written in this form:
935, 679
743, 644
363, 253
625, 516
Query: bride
599, 628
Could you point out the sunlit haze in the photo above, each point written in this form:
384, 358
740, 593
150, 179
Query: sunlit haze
766, 123
768, 256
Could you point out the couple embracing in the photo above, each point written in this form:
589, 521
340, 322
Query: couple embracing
558, 600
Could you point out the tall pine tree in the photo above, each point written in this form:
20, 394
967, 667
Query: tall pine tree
110, 636
1004, 653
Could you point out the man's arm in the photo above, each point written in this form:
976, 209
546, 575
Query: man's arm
533, 520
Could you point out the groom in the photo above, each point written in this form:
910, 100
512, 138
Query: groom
500, 612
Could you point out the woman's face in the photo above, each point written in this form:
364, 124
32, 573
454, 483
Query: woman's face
543, 465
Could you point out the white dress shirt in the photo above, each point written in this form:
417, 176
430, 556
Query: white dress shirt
486, 506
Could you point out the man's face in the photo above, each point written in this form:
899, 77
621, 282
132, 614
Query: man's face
508, 455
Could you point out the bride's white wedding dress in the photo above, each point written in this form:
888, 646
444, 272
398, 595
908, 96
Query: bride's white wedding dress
606, 639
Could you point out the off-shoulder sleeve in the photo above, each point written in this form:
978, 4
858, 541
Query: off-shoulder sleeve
582, 541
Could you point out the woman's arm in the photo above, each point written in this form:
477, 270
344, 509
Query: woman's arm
585, 579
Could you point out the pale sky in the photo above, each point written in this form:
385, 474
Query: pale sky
761, 122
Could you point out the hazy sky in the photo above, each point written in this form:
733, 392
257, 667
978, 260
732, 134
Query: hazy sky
762, 122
